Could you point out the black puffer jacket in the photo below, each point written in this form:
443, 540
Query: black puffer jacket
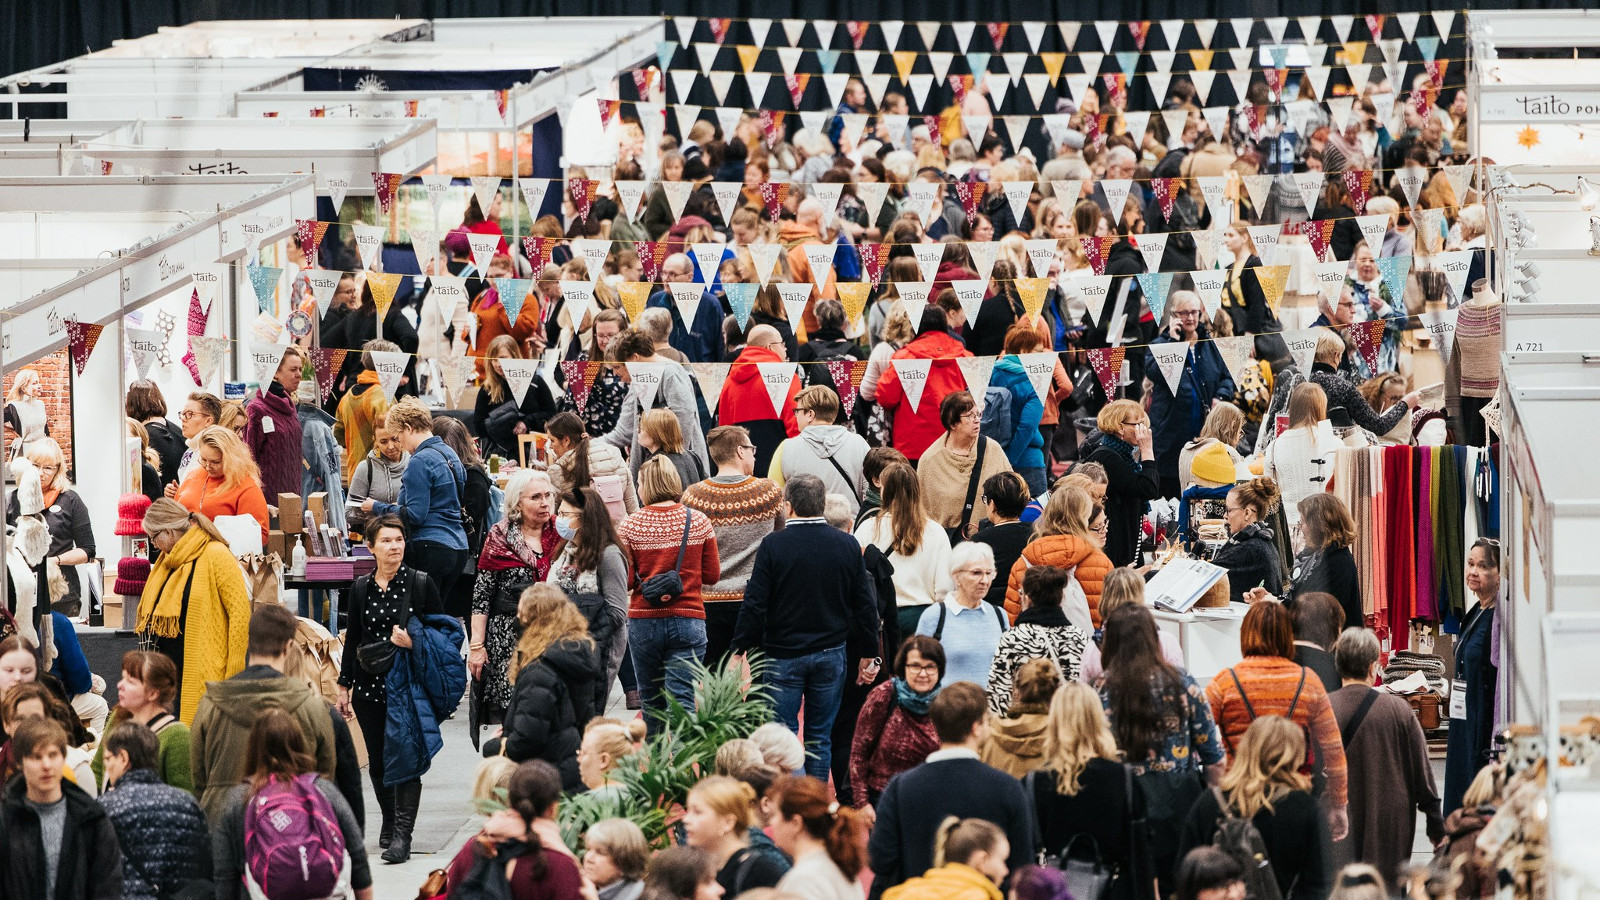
551, 702
91, 858
1252, 561
164, 833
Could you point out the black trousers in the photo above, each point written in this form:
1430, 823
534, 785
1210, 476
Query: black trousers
372, 716
722, 619
443, 564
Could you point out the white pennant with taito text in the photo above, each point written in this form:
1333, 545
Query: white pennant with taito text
1094, 290
323, 286
1017, 193
593, 252
795, 295
436, 186
828, 195
645, 379
533, 191
765, 256
1041, 368
969, 292
976, 371
264, 359
928, 258
1373, 228
778, 377
914, 299
1041, 254
1169, 359
1208, 283
1152, 246
708, 256
1303, 347
630, 193
369, 241
483, 249
391, 368
1455, 264
1441, 327
820, 258
686, 297
913, 375
1116, 195
449, 292
727, 196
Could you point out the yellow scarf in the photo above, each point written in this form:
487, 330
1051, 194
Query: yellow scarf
217, 628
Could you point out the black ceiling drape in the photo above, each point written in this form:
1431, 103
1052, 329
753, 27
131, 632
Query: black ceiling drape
35, 33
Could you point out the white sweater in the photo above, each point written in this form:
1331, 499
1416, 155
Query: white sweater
1301, 460
924, 576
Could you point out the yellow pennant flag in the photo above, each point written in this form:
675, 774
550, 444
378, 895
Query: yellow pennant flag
903, 61
1353, 54
1032, 291
383, 287
853, 294
1201, 59
747, 56
1272, 280
1052, 65
634, 295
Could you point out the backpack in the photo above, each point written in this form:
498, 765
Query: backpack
1313, 765
293, 847
999, 616
997, 422
1242, 842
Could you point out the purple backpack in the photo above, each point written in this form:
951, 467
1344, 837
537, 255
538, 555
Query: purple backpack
293, 847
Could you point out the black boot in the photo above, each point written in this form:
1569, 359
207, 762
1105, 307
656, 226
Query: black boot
406, 799
386, 806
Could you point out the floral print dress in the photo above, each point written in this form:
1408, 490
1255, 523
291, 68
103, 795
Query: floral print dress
1190, 738
507, 561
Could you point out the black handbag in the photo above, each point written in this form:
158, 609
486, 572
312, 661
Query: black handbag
659, 590
507, 599
377, 657
959, 532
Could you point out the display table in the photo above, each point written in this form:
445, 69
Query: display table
1209, 637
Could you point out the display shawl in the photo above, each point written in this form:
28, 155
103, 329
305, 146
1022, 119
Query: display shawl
506, 548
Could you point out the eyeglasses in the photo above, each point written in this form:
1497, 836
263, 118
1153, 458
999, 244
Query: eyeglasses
979, 573
750, 447
1186, 314
972, 416
921, 667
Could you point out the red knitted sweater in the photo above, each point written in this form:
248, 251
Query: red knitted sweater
888, 741
653, 535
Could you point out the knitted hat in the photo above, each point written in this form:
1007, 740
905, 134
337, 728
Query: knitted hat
130, 514
1213, 467
132, 571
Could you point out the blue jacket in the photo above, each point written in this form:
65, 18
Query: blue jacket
70, 665
321, 452
431, 495
424, 688
1175, 420
702, 341
1026, 450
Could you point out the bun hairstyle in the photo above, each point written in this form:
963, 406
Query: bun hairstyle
1259, 495
1034, 684
959, 840
840, 829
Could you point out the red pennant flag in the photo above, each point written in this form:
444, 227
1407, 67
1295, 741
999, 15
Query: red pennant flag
1275, 79
572, 370
797, 86
1166, 193
270, 115
651, 255
1140, 30
1252, 119
839, 370
1092, 130
309, 232
327, 364
1359, 183
1375, 25
608, 110
582, 192
411, 108
384, 184
858, 33
858, 372
772, 126
1107, 362
195, 326
80, 342
537, 249
997, 34
774, 193
501, 99
960, 85
932, 123
970, 193
1096, 248
105, 167
1436, 69
1368, 338
1420, 101
874, 258
1116, 88
642, 80
719, 29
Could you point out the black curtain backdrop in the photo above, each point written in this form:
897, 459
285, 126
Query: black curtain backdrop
35, 33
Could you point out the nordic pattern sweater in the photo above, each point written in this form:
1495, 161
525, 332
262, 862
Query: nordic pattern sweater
742, 511
653, 535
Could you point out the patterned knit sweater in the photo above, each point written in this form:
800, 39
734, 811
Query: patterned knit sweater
1269, 684
1478, 349
742, 511
653, 535
888, 741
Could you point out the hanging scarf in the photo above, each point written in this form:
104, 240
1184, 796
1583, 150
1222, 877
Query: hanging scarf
1122, 448
909, 700
506, 548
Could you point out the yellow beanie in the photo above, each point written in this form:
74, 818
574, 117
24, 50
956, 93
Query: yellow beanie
1213, 467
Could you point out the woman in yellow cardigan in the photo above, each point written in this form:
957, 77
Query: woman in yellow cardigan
195, 604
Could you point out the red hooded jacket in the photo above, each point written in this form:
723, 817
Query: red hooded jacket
745, 401
915, 431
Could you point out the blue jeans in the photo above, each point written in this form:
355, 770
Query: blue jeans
1038, 480
818, 679
661, 650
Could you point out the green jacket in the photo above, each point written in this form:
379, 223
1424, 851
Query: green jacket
221, 731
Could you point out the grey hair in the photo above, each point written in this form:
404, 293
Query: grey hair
1121, 154
518, 486
830, 314
657, 323
837, 511
1354, 653
968, 552
807, 495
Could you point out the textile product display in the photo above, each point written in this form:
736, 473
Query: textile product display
132, 573
130, 514
1404, 662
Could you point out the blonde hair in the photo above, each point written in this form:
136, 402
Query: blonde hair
1076, 733
518, 487
614, 741
1330, 347
1118, 413
733, 756
167, 514
236, 461
233, 413
1266, 766
492, 776
727, 797
545, 617
1308, 404
658, 481
897, 328
46, 452
1122, 587
409, 415
624, 842
1225, 423
662, 426
24, 378
1068, 511
495, 383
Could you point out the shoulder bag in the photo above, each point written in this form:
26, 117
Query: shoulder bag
959, 532
662, 589
377, 657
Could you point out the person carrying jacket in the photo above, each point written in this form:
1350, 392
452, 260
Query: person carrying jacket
1177, 412
221, 730
917, 425
831, 452
554, 670
56, 842
747, 400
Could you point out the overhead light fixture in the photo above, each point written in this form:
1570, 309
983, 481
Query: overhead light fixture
1588, 196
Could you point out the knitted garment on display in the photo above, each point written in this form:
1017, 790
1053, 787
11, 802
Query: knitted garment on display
1478, 349
130, 514
132, 573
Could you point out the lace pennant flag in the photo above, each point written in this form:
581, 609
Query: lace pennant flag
424, 245
1032, 292
455, 370
765, 256
384, 186
651, 255
1368, 340
383, 286
742, 298
711, 377
634, 296
853, 295
1107, 363
1235, 353
207, 353
264, 280
1273, 279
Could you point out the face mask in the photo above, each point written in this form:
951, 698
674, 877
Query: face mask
565, 530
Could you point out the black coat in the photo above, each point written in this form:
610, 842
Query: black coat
986, 334
167, 440
1295, 832
917, 800
1331, 572
1103, 813
1252, 561
551, 702
349, 330
1128, 496
538, 407
1255, 316
91, 858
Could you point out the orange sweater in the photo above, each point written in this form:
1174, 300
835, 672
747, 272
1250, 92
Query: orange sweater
1269, 682
205, 495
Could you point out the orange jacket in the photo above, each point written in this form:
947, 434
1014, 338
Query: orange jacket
202, 494
1062, 551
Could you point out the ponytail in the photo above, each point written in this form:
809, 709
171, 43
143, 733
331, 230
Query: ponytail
569, 427
941, 839
959, 840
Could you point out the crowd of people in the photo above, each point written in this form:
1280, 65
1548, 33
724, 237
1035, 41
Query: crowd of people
943, 593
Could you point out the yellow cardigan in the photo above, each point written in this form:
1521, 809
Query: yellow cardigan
217, 628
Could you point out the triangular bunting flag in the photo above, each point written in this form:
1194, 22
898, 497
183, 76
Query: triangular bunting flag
914, 299
483, 247
323, 285
513, 292
711, 377
383, 285
1368, 340
1041, 253
686, 299
450, 293
1169, 359
1041, 368
335, 185
975, 371
1152, 246
645, 378
144, 345
1395, 270
820, 258
913, 375
264, 280
1303, 347
391, 368
264, 359
630, 193
1441, 327
779, 378
928, 257
635, 294
1093, 290
1258, 187
1373, 228
742, 298
208, 352
1032, 291
1410, 180
1309, 184
1208, 284
765, 256
677, 195
1330, 278
384, 185
1272, 280
533, 191
1116, 190
1107, 363
1455, 264
369, 241
1067, 192
1235, 353
969, 292
984, 254
1155, 286
853, 296
424, 246
796, 296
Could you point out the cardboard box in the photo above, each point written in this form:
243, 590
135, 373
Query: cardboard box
317, 503
289, 514
277, 543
